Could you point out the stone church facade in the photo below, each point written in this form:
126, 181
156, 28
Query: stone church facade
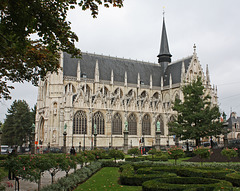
107, 92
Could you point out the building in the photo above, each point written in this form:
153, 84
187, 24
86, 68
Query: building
107, 92
233, 126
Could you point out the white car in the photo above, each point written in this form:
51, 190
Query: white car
4, 149
185, 148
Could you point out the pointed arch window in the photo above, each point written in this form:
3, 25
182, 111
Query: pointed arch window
80, 123
98, 119
132, 124
146, 125
117, 124
160, 119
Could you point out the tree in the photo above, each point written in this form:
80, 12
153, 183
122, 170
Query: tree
196, 116
18, 123
23, 58
116, 154
134, 152
176, 153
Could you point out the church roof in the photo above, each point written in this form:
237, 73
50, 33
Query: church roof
175, 69
106, 64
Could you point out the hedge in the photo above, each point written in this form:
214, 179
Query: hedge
234, 178
184, 183
128, 176
205, 172
72, 181
136, 159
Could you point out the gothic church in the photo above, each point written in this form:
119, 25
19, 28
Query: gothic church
107, 92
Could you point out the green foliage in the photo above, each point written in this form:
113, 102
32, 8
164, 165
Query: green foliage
99, 153
152, 152
203, 153
182, 183
234, 178
71, 181
23, 58
229, 153
130, 177
176, 153
197, 117
134, 152
17, 126
116, 154
89, 156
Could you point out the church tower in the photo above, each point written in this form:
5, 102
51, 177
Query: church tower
164, 56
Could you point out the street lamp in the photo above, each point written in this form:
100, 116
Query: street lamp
0, 140
79, 146
84, 139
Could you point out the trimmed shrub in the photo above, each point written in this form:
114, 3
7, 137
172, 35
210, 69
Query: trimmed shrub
136, 159
70, 182
234, 178
182, 183
204, 172
128, 176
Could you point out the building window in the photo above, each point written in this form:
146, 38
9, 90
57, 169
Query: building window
160, 119
98, 119
132, 124
146, 125
117, 124
80, 123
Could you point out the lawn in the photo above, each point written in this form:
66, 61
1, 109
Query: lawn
106, 179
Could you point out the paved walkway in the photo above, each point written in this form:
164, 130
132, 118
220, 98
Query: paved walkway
31, 186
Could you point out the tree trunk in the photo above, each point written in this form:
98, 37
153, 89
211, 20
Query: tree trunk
39, 184
198, 142
52, 177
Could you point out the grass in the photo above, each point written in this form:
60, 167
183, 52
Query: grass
106, 179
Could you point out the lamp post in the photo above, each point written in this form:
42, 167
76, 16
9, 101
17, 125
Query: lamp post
33, 139
64, 139
79, 146
0, 140
125, 141
95, 136
158, 133
84, 134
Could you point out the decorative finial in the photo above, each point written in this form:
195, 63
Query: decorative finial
194, 48
163, 11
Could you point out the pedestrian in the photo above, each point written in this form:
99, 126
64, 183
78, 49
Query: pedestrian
72, 151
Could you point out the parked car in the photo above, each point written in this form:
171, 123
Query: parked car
52, 150
235, 143
208, 144
184, 147
4, 149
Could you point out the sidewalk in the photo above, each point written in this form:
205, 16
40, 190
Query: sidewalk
32, 186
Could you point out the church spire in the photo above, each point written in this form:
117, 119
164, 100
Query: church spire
164, 54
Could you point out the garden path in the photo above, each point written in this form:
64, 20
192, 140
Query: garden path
32, 186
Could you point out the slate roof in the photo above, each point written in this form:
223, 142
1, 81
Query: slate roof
175, 69
106, 64
232, 120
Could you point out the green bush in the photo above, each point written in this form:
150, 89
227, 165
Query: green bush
234, 178
111, 164
3, 157
136, 159
183, 183
204, 172
70, 182
128, 176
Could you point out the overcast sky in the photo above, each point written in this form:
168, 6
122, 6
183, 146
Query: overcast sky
134, 31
